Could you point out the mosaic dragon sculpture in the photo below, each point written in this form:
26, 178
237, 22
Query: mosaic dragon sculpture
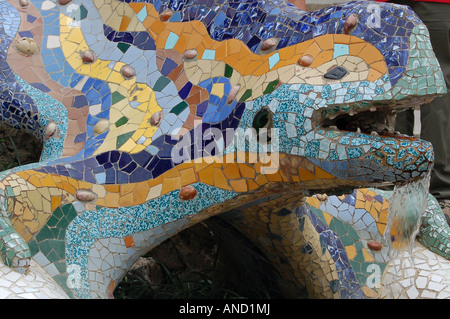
127, 95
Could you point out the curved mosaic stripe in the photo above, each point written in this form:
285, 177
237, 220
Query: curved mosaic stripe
348, 285
234, 20
18, 110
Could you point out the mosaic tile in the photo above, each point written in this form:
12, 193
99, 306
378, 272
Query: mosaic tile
140, 98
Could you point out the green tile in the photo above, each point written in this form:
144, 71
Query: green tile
161, 83
123, 46
246, 95
116, 97
271, 87
122, 139
180, 107
228, 71
123, 120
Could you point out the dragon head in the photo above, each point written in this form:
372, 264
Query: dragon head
154, 112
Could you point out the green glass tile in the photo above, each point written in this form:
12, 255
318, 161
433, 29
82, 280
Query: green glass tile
228, 71
246, 95
121, 139
271, 87
57, 213
52, 221
180, 107
123, 46
359, 256
43, 234
338, 226
116, 97
52, 256
353, 234
58, 247
61, 266
44, 247
34, 248
161, 83
72, 213
346, 240
123, 120
80, 13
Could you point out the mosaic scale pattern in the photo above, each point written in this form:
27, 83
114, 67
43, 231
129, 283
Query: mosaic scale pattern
126, 95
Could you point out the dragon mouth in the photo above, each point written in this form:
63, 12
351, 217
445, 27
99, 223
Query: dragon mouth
366, 118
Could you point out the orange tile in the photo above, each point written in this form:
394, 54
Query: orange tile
221, 51
325, 42
56, 201
373, 75
321, 174
34, 180
239, 185
48, 181
321, 58
129, 242
136, 6
127, 189
112, 188
158, 26
140, 193
124, 23
341, 38
206, 175
306, 175
170, 184
126, 200
220, 180
355, 49
252, 185
68, 187
188, 176
313, 50
274, 177
370, 54
261, 179
112, 200
181, 44
231, 171
247, 171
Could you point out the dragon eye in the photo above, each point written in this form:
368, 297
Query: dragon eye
336, 73
263, 120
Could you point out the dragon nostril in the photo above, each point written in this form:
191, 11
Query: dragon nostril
263, 120
336, 73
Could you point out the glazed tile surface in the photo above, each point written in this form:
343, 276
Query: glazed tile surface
151, 112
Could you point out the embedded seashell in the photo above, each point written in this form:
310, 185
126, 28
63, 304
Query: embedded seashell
127, 71
374, 245
24, 3
190, 54
88, 56
166, 15
306, 60
85, 195
350, 23
233, 92
26, 46
267, 44
50, 129
187, 193
156, 119
322, 197
101, 126
64, 2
